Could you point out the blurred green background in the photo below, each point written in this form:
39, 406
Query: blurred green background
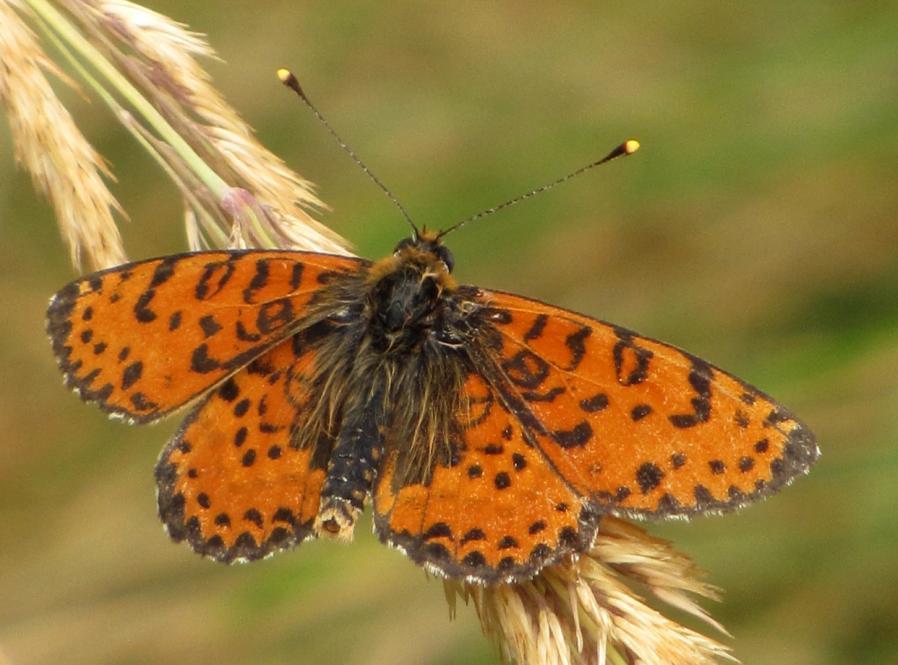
757, 228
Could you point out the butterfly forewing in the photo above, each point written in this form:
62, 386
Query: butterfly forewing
145, 338
640, 427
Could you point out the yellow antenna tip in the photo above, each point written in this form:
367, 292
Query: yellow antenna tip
288, 78
631, 146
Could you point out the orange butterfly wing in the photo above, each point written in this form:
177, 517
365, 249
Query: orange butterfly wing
496, 512
231, 482
571, 417
145, 338
639, 427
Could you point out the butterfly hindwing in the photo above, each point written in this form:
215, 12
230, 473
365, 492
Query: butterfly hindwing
232, 482
145, 338
495, 512
639, 427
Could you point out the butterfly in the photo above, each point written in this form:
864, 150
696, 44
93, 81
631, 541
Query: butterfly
490, 432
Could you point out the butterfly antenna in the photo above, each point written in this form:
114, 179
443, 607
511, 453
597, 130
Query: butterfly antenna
626, 148
289, 79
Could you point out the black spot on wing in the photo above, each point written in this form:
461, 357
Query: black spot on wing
164, 271
438, 530
472, 534
229, 390
245, 336
200, 361
576, 344
573, 438
548, 396
640, 411
132, 374
216, 274
700, 379
526, 369
142, 311
536, 330
254, 516
627, 353
595, 403
777, 415
242, 407
141, 403
296, 275
209, 325
273, 315
474, 559
648, 477
259, 281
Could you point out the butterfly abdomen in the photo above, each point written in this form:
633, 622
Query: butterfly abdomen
381, 380
352, 467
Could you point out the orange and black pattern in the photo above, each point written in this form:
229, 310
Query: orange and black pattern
642, 428
145, 338
490, 431
498, 510
231, 482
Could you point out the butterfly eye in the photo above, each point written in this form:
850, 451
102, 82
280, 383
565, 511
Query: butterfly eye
444, 255
405, 242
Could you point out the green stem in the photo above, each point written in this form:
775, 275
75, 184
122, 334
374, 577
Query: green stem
259, 228
76, 41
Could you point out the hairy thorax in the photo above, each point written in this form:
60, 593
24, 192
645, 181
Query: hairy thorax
380, 337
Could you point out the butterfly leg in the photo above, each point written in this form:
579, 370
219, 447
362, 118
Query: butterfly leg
351, 470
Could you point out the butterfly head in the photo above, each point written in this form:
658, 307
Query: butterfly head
426, 243
406, 288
